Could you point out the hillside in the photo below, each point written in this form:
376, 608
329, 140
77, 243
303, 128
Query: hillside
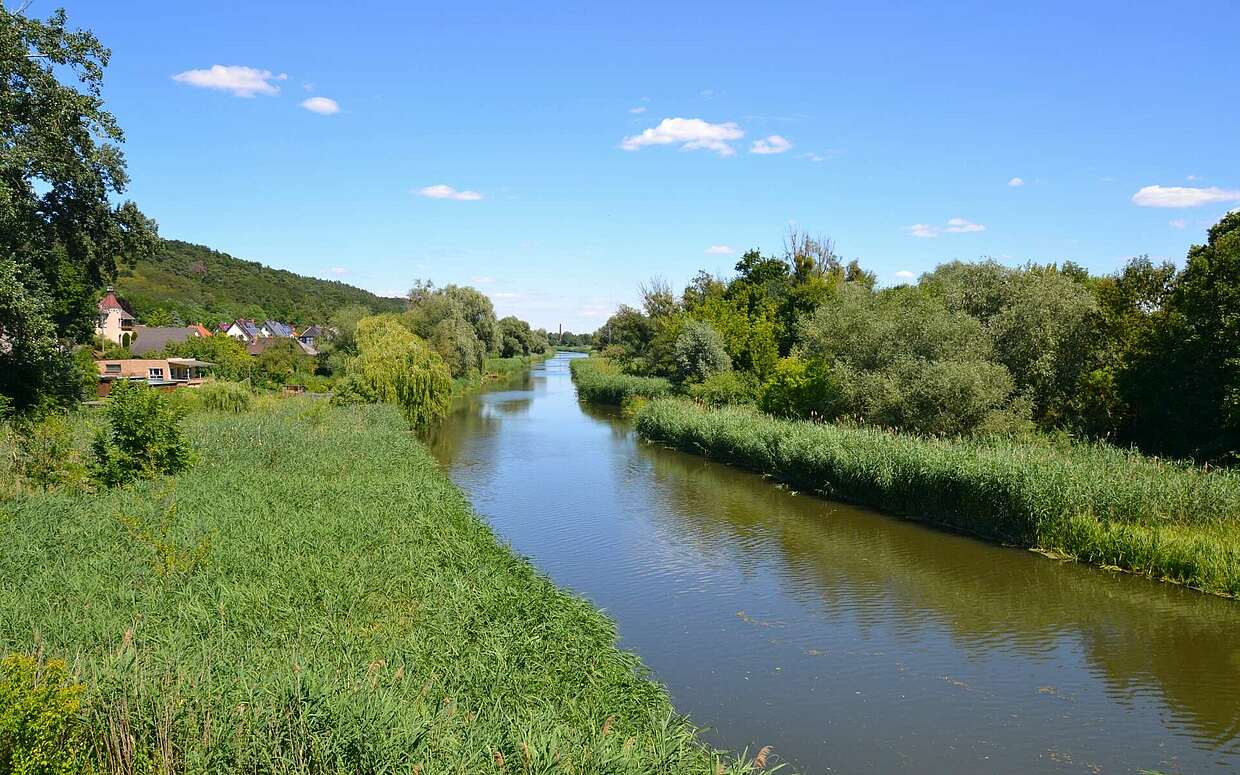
195, 284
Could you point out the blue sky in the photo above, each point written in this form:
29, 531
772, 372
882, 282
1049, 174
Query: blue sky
502, 145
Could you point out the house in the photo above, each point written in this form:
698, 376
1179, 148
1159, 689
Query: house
309, 338
116, 323
200, 330
275, 328
245, 330
259, 346
150, 339
164, 373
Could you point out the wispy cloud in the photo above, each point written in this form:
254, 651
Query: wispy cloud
1183, 196
953, 226
482, 280
638, 109
1178, 223
719, 250
905, 274
324, 106
443, 191
338, 270
1191, 178
240, 80
1016, 182
770, 144
690, 134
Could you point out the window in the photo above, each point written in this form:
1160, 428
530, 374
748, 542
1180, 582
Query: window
112, 368
154, 373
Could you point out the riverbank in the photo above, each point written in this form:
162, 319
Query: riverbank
315, 595
600, 382
1091, 503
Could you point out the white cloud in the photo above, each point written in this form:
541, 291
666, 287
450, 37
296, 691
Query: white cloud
242, 81
719, 250
638, 109
507, 295
1178, 223
690, 134
1014, 182
961, 226
1193, 177
905, 274
1183, 196
482, 279
771, 144
442, 191
953, 226
338, 270
321, 105
814, 157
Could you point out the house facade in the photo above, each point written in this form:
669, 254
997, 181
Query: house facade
115, 323
161, 373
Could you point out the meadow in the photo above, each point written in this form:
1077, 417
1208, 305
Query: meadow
312, 595
1089, 502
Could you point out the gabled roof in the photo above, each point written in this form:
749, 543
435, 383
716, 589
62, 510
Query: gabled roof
149, 339
247, 327
312, 332
200, 329
277, 328
109, 301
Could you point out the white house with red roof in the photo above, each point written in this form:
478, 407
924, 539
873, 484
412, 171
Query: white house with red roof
116, 322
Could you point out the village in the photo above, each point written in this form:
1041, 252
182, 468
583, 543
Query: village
146, 357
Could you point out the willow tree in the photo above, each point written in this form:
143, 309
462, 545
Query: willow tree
61, 236
394, 366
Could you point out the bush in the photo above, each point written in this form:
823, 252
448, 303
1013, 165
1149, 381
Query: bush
226, 397
144, 437
41, 732
699, 352
46, 455
725, 389
799, 388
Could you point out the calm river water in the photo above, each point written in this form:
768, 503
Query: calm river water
849, 640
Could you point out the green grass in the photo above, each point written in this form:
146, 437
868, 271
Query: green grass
314, 595
600, 382
1094, 503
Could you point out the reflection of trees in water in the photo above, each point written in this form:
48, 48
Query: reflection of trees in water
1137, 634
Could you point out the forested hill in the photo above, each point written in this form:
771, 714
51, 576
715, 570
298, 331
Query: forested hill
187, 283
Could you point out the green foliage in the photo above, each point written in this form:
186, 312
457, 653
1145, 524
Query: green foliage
351, 614
144, 437
394, 366
194, 283
700, 352
799, 388
1095, 503
46, 454
280, 361
457, 344
235, 397
725, 388
41, 730
599, 381
516, 338
60, 233
228, 357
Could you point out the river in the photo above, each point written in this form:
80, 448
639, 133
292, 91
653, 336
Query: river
849, 640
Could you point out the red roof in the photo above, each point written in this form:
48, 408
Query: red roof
200, 329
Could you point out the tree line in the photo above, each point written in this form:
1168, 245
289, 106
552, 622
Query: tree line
1148, 356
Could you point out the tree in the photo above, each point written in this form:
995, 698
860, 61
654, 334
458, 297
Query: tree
228, 357
700, 352
58, 171
143, 437
455, 341
394, 366
281, 360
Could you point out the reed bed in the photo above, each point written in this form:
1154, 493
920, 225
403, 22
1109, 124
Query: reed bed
314, 595
600, 382
1093, 503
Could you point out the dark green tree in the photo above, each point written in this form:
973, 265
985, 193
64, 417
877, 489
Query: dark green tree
59, 230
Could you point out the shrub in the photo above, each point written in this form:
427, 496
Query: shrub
598, 382
725, 389
799, 388
46, 455
41, 732
226, 397
143, 438
699, 352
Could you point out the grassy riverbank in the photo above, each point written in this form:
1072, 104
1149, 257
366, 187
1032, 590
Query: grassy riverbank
599, 381
314, 595
1093, 503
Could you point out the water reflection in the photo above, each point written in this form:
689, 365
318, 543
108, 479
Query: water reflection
844, 637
